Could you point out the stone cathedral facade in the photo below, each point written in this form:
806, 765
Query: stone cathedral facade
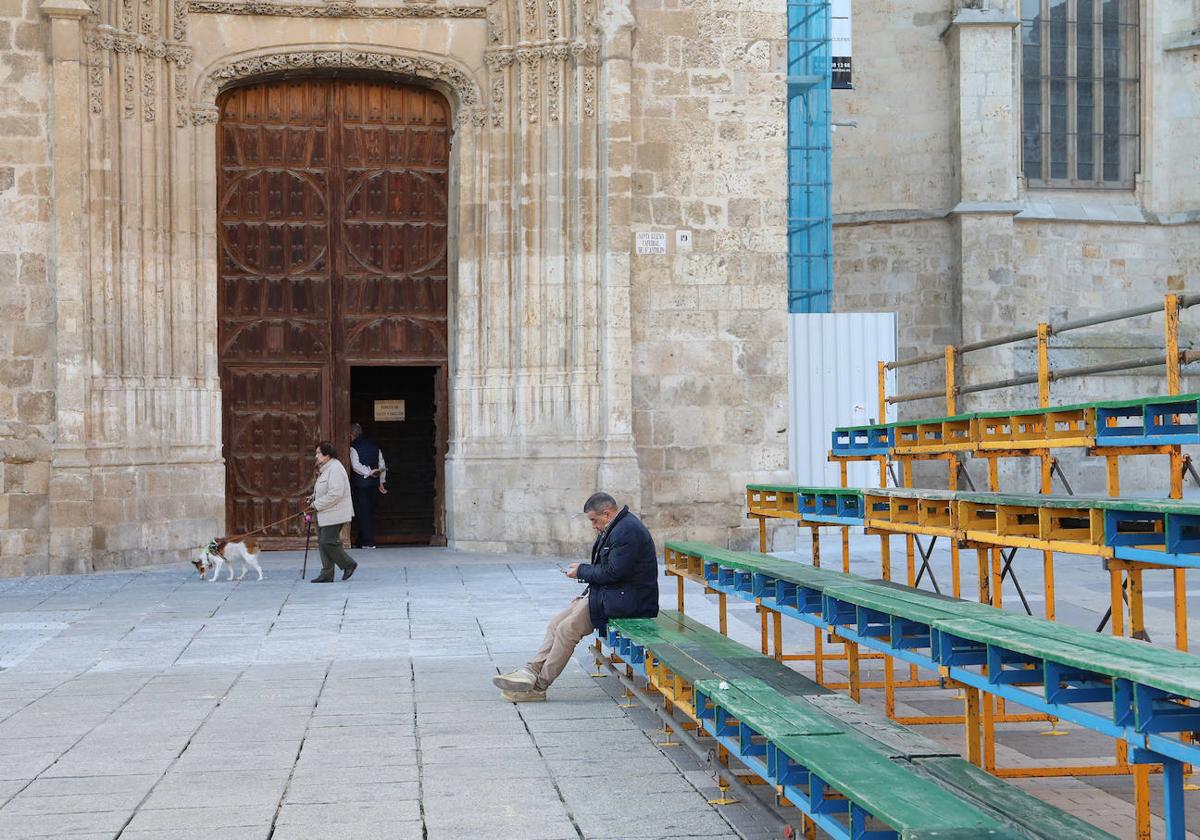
221, 219
206, 208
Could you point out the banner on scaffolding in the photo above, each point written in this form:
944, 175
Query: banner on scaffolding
840, 31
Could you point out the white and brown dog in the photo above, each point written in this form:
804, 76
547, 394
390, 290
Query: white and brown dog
219, 552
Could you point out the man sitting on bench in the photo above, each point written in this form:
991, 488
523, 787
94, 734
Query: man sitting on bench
622, 583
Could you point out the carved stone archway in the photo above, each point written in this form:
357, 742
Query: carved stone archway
460, 88
441, 73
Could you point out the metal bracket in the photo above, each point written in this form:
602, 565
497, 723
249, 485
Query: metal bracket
1008, 571
1190, 469
1055, 467
962, 470
925, 555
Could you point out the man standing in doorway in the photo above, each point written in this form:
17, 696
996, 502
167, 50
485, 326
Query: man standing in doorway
367, 484
622, 583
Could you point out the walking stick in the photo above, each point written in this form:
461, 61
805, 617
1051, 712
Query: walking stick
307, 536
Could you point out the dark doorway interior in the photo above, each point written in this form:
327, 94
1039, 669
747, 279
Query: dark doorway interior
406, 515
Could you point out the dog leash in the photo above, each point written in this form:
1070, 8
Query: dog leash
266, 527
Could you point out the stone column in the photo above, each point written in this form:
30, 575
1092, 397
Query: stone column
619, 467
985, 145
70, 483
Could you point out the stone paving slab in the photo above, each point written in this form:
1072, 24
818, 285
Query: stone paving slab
149, 705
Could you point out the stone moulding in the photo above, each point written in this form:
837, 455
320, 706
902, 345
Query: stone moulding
113, 40
470, 110
331, 10
557, 50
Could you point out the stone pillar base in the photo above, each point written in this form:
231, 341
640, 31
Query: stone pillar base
528, 498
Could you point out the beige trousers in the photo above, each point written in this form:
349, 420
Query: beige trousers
562, 635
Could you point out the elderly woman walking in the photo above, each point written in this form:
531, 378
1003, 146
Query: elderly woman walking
331, 501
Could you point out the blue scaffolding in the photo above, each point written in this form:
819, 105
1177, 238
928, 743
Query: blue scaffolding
810, 212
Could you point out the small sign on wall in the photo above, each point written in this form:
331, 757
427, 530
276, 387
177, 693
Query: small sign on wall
389, 411
651, 242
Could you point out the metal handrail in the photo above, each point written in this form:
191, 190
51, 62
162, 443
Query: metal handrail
1185, 301
1185, 357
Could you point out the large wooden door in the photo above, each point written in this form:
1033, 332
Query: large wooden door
332, 211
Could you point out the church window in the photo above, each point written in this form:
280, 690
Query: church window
1079, 93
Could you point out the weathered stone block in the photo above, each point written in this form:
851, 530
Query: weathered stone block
36, 408
30, 340
28, 511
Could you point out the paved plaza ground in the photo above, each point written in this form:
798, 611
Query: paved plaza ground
147, 705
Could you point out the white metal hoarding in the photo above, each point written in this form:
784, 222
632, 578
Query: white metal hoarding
832, 378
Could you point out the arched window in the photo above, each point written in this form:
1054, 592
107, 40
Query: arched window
1079, 93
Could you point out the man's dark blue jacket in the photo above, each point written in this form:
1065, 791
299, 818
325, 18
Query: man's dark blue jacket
623, 574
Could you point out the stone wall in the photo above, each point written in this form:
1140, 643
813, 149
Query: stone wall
890, 152
910, 268
1171, 112
27, 312
127, 400
709, 323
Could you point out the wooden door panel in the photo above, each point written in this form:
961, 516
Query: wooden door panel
332, 248
275, 268
376, 294
273, 417
258, 296
394, 337
392, 253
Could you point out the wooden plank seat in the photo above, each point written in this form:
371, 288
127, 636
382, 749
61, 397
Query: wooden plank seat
1141, 690
1169, 670
1037, 428
867, 441
1002, 798
824, 505
1164, 532
851, 769
1148, 421
1142, 422
904, 510
1160, 531
934, 435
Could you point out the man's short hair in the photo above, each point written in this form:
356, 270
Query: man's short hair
355, 431
598, 502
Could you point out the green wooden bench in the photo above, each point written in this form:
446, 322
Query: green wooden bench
1172, 671
785, 726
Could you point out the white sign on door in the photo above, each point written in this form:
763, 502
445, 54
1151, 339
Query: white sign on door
389, 411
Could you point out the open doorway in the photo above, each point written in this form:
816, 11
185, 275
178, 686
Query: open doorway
397, 408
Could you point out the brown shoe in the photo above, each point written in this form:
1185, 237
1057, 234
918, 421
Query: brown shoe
530, 696
346, 574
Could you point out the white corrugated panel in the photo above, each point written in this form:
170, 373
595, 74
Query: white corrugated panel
832, 378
